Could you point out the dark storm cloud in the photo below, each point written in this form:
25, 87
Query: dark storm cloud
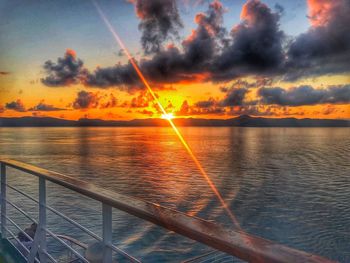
16, 106
200, 108
172, 65
160, 20
203, 44
67, 70
305, 95
118, 75
208, 53
325, 47
256, 47
268, 102
234, 97
256, 44
86, 100
206, 103
42, 106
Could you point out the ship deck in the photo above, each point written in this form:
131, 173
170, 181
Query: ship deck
8, 254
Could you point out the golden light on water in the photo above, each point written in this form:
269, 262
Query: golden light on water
166, 114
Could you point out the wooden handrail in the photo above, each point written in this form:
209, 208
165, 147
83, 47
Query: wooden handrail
236, 243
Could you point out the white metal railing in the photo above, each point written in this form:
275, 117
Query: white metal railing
57, 237
235, 243
38, 251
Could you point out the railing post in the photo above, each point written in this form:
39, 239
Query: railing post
42, 219
107, 232
3, 201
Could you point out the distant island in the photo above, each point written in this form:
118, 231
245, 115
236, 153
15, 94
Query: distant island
241, 121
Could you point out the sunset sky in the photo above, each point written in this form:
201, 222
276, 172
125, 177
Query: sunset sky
205, 59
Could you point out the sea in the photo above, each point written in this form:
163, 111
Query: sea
288, 185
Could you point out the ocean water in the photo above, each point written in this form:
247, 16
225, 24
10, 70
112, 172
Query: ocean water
289, 185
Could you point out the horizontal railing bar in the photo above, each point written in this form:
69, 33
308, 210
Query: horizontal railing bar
20, 243
23, 193
92, 234
50, 257
18, 227
237, 243
21, 211
118, 250
66, 245
73, 241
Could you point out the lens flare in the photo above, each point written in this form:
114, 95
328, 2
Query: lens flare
164, 113
168, 116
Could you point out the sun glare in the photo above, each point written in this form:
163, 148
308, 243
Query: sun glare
168, 116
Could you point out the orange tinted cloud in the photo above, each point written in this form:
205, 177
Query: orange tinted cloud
321, 11
248, 13
195, 78
71, 52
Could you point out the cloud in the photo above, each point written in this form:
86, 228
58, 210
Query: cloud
200, 108
270, 101
4, 73
208, 54
325, 47
140, 101
255, 47
94, 100
2, 108
42, 106
123, 76
193, 62
256, 44
146, 112
206, 103
234, 97
305, 95
67, 70
120, 53
86, 100
160, 20
16, 106
172, 65
109, 101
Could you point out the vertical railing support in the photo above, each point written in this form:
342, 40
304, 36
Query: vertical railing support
3, 201
107, 232
42, 220
39, 243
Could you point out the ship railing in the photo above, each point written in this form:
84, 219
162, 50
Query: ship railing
235, 243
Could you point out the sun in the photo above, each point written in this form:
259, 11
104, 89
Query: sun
168, 116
